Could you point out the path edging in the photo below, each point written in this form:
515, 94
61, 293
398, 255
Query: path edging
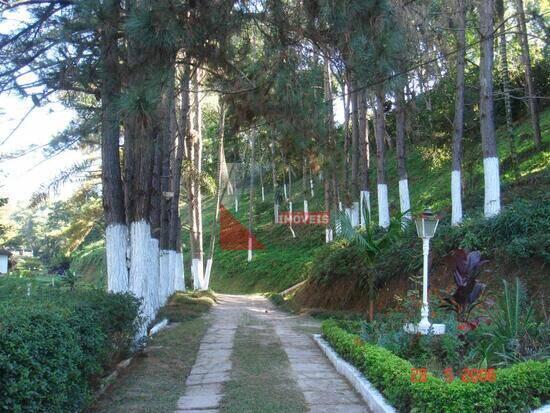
374, 399
158, 327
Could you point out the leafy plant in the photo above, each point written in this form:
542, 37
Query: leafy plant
514, 332
468, 288
372, 240
69, 279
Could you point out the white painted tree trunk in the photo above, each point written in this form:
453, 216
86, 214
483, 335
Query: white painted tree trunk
328, 235
285, 192
383, 207
165, 276
208, 273
456, 198
179, 272
263, 194
492, 186
355, 214
311, 187
291, 220
116, 247
306, 207
364, 208
236, 203
276, 212
154, 276
140, 246
404, 200
197, 270
172, 272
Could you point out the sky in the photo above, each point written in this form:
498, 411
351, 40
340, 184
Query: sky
21, 177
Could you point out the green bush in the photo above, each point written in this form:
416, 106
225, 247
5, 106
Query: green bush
55, 344
339, 259
520, 231
516, 389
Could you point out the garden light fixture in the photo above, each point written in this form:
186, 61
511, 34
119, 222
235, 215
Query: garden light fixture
426, 225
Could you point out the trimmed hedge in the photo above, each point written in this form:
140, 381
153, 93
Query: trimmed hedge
55, 344
516, 389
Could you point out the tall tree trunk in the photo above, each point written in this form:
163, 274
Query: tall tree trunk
138, 172
167, 142
488, 139
364, 169
219, 193
347, 137
175, 262
456, 174
506, 87
355, 138
275, 187
251, 197
404, 199
380, 129
526, 58
195, 200
330, 194
116, 232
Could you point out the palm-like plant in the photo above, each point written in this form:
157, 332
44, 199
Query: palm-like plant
371, 239
515, 333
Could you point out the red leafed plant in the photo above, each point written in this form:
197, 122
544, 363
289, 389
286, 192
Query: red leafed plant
467, 265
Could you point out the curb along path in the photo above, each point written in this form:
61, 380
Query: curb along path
323, 388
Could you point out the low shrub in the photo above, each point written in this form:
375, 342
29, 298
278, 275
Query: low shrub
520, 231
55, 344
516, 389
339, 259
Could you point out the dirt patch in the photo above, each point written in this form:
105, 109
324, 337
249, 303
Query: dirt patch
348, 293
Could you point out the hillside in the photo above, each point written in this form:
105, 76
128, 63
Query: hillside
287, 261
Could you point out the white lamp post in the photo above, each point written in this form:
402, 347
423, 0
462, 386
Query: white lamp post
426, 224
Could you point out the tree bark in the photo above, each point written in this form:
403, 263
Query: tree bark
383, 206
364, 167
355, 139
404, 199
116, 232
251, 197
195, 200
526, 58
177, 167
506, 88
329, 187
488, 139
458, 127
219, 193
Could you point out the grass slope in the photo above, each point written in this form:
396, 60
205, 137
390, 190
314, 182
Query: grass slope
286, 261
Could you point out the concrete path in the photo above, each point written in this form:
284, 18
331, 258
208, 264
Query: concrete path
323, 388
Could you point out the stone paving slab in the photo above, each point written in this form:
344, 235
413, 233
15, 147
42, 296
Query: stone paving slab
204, 385
324, 389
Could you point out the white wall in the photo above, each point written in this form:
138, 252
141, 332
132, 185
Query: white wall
3, 264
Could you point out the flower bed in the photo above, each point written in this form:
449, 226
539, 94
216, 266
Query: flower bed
515, 389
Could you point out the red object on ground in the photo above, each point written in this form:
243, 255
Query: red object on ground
234, 235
